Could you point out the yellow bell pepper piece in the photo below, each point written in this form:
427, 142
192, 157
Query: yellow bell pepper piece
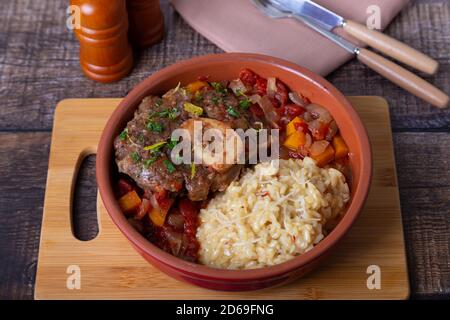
158, 217
290, 128
325, 157
340, 147
193, 109
193, 87
295, 140
130, 202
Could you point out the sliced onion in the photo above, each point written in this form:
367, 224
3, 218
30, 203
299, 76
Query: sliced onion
318, 147
176, 220
297, 99
307, 116
314, 125
319, 112
271, 87
175, 240
308, 142
255, 98
332, 130
270, 113
238, 87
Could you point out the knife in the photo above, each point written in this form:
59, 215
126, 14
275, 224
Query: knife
329, 20
388, 69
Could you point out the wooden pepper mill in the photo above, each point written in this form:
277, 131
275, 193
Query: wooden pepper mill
105, 53
146, 22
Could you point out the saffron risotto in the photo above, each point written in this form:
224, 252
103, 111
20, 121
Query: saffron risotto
275, 212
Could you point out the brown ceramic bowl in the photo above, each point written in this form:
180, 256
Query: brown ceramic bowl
222, 67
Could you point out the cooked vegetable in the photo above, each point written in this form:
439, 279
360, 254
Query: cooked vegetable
149, 162
291, 126
269, 111
318, 147
193, 170
193, 109
130, 202
155, 126
340, 147
157, 216
238, 87
124, 134
271, 87
295, 140
244, 103
169, 165
319, 112
325, 157
155, 146
195, 86
144, 208
297, 99
135, 156
232, 112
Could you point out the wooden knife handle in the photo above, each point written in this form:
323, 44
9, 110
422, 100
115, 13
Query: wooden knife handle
392, 47
404, 78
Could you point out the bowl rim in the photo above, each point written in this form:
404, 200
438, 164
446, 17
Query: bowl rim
103, 174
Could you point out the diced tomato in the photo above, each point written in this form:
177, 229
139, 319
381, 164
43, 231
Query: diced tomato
248, 77
301, 126
190, 214
293, 110
261, 86
123, 187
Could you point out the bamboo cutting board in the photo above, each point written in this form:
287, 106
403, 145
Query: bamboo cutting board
109, 268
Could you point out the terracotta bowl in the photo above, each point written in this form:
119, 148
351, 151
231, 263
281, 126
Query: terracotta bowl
222, 67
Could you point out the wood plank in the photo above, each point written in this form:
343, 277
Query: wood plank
23, 170
39, 64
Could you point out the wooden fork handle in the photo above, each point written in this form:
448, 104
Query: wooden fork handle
391, 47
404, 78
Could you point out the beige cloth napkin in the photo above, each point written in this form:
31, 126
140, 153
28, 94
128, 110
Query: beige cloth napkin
238, 26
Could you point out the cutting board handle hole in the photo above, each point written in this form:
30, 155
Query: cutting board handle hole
84, 208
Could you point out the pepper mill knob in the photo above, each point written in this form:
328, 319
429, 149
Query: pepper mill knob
146, 22
105, 53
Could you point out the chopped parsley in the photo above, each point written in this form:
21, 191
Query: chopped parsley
215, 100
141, 138
198, 97
244, 103
135, 156
219, 88
158, 103
172, 143
149, 162
155, 126
171, 113
232, 112
124, 134
169, 166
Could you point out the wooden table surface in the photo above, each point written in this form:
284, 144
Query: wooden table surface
39, 67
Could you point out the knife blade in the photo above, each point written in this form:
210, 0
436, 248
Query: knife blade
322, 16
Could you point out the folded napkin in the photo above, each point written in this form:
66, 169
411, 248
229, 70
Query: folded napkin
238, 26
